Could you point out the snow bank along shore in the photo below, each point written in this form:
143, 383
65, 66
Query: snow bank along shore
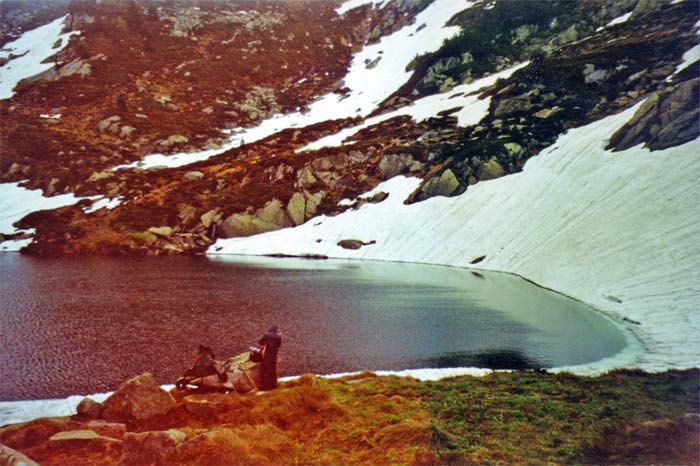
618, 231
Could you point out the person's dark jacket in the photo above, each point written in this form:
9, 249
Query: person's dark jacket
271, 342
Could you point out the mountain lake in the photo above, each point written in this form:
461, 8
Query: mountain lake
85, 324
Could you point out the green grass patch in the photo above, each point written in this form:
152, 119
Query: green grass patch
535, 418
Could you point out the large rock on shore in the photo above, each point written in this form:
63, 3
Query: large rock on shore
136, 399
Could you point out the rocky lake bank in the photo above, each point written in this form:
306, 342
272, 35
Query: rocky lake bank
511, 417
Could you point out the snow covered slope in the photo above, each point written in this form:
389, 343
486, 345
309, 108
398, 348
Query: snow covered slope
619, 231
27, 54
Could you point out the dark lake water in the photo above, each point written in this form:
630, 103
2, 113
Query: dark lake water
85, 324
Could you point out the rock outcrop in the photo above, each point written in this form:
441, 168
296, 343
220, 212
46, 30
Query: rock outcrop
665, 119
137, 398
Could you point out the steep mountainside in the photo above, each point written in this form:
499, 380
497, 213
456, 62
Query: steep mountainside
248, 90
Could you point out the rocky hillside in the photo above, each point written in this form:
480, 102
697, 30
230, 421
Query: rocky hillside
175, 123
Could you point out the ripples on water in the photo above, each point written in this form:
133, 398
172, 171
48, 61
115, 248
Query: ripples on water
85, 324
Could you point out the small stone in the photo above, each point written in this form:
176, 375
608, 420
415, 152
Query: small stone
547, 112
193, 175
274, 213
490, 170
89, 408
444, 185
353, 244
126, 131
210, 217
514, 149
161, 231
312, 203
107, 122
97, 176
85, 439
145, 237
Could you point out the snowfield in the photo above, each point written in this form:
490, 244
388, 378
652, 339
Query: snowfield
30, 52
618, 231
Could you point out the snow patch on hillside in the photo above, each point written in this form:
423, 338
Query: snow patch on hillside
369, 86
30, 51
689, 57
16, 202
620, 19
103, 203
470, 109
352, 4
618, 231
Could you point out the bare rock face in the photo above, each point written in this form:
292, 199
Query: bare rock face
193, 175
89, 408
138, 398
151, 447
666, 119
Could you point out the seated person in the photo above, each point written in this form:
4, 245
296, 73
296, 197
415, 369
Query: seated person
204, 364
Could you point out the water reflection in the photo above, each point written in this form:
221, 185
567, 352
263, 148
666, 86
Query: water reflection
493, 359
